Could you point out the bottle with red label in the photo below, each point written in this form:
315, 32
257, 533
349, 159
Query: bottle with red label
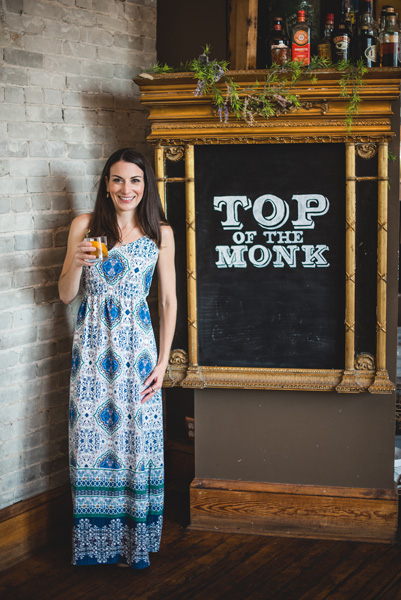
301, 40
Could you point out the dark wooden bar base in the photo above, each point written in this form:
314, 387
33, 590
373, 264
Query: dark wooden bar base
31, 524
286, 510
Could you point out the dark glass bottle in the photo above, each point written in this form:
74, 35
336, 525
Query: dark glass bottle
382, 25
341, 38
367, 37
324, 45
300, 46
389, 41
278, 49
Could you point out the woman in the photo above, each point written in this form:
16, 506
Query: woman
116, 426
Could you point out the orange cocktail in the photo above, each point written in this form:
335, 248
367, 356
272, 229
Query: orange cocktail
99, 251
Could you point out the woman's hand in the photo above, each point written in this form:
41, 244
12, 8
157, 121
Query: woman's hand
153, 383
84, 254
167, 310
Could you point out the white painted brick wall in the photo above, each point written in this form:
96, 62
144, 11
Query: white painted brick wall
67, 101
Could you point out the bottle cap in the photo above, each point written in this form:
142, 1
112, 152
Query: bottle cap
301, 15
330, 18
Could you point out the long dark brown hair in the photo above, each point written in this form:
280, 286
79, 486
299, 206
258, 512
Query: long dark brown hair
150, 212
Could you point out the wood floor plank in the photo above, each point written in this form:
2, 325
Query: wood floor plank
206, 580
241, 578
376, 571
331, 570
393, 592
199, 568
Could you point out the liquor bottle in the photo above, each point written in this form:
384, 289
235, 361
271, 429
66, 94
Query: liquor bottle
382, 25
367, 37
352, 28
350, 19
301, 40
278, 49
341, 38
324, 45
351, 14
383, 16
389, 41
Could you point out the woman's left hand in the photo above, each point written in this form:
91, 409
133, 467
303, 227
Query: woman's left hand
153, 383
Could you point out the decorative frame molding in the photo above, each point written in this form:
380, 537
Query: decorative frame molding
179, 121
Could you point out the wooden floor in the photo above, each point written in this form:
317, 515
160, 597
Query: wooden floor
196, 565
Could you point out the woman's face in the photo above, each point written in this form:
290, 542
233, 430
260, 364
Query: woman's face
125, 185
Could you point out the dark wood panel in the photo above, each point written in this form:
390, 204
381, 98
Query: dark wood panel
314, 515
33, 523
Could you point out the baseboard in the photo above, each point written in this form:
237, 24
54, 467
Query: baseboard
34, 523
305, 511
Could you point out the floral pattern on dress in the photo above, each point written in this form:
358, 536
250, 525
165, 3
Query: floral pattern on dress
116, 443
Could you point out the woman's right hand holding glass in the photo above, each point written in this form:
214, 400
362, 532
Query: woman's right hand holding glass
84, 254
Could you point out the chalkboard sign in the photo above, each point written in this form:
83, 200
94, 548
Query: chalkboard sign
270, 255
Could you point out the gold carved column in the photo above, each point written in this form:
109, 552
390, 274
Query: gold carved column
193, 378
382, 383
349, 382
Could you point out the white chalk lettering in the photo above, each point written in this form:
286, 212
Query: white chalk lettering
313, 256
280, 211
283, 237
261, 256
249, 236
238, 237
288, 253
265, 255
309, 204
279, 248
269, 236
235, 259
231, 203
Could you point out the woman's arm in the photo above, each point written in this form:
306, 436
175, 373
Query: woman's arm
77, 256
168, 310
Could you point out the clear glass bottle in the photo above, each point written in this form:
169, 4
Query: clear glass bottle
300, 45
324, 45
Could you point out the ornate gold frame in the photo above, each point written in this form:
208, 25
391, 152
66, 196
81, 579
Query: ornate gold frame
180, 121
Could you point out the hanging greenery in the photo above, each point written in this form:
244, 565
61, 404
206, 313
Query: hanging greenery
275, 96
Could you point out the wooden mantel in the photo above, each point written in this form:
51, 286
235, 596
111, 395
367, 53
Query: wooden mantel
177, 116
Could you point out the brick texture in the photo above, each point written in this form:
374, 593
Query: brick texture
67, 100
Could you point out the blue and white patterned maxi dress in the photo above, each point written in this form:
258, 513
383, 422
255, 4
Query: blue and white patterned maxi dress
116, 443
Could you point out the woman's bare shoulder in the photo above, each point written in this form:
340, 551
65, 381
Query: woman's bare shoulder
80, 224
166, 230
167, 234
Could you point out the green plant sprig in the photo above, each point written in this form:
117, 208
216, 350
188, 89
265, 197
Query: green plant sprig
275, 95
351, 78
